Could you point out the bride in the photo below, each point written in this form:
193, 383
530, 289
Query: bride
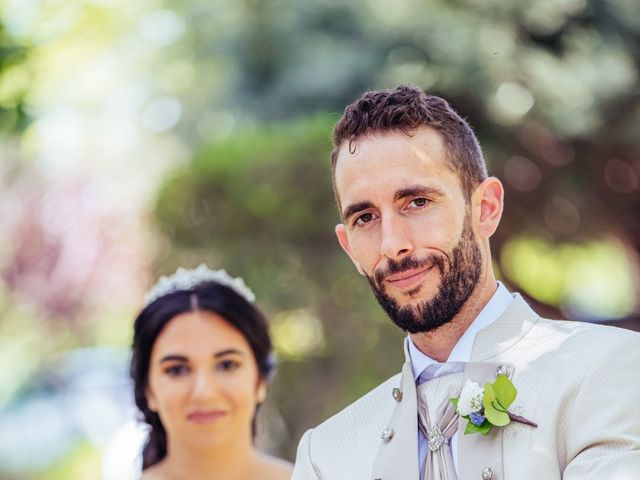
200, 365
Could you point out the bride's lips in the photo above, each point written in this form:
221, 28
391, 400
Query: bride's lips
408, 278
205, 416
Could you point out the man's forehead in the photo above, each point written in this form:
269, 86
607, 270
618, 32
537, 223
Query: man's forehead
380, 157
424, 136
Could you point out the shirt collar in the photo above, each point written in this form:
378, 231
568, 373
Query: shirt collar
461, 352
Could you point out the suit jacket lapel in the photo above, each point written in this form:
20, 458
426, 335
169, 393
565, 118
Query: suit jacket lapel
507, 330
477, 452
397, 457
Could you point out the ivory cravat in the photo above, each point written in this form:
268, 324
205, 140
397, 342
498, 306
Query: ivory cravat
438, 422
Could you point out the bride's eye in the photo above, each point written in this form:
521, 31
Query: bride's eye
176, 370
227, 365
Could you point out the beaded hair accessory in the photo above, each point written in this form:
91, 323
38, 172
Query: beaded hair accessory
186, 279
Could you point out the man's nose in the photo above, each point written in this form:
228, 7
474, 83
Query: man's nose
396, 240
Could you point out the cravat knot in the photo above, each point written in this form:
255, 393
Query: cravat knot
438, 421
435, 438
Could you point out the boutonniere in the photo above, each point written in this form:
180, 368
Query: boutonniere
485, 408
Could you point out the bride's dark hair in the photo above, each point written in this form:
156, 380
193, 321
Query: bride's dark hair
209, 296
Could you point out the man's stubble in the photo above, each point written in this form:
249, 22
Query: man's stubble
458, 279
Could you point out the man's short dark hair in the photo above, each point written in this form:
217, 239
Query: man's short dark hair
405, 109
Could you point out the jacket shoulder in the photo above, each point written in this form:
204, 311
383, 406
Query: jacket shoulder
593, 337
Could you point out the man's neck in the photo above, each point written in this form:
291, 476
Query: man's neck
439, 343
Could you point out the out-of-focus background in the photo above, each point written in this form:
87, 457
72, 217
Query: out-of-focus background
138, 136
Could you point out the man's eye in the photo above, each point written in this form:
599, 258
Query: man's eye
176, 370
419, 202
364, 218
227, 366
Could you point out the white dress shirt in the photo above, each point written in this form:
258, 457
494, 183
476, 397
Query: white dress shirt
426, 368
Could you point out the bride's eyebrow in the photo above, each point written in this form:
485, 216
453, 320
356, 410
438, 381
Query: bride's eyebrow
228, 351
174, 358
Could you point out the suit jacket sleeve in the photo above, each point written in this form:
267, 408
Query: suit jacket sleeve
304, 469
603, 421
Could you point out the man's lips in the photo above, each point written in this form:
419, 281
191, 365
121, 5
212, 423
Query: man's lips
205, 416
408, 278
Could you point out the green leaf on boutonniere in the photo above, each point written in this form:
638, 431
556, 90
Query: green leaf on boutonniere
496, 399
484, 429
493, 411
504, 391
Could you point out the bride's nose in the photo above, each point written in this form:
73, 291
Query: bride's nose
204, 385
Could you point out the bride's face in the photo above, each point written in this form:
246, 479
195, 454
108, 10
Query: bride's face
203, 381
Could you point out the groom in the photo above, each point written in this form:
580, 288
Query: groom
418, 210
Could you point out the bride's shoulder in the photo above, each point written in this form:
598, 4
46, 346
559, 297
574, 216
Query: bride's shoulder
273, 468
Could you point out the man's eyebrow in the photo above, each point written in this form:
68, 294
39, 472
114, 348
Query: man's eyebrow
355, 208
417, 191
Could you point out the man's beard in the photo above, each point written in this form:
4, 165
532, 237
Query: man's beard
458, 279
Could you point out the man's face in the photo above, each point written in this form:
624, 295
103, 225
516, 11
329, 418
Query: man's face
407, 226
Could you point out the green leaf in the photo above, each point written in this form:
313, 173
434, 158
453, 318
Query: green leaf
493, 411
489, 393
504, 390
455, 402
484, 429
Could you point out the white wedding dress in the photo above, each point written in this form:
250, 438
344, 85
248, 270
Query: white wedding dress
122, 457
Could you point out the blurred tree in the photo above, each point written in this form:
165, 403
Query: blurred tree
72, 263
550, 87
62, 228
260, 204
14, 82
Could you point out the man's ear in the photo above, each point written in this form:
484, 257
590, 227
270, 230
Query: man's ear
343, 240
488, 203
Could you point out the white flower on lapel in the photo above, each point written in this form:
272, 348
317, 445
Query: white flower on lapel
470, 400
485, 408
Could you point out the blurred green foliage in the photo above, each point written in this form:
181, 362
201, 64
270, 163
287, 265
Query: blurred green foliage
550, 86
551, 89
14, 84
261, 205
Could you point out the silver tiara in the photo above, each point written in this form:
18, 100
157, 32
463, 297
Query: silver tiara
186, 279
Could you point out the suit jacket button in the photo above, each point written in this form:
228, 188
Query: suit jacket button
387, 434
397, 394
487, 474
502, 370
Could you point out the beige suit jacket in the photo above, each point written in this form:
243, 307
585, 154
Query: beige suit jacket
579, 382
